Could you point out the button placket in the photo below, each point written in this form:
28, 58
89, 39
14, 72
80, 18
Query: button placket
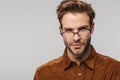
79, 71
79, 74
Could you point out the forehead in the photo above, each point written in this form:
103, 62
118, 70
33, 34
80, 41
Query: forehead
74, 20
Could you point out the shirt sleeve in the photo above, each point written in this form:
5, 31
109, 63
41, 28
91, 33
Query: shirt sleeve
36, 76
43, 73
116, 72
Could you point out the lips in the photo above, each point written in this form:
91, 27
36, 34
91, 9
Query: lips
76, 45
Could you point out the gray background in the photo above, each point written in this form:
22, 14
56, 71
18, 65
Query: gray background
29, 34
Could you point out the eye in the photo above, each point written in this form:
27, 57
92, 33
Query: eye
82, 28
68, 30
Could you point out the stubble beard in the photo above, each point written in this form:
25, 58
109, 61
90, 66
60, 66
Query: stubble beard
83, 52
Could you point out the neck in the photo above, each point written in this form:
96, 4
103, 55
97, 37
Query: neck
78, 60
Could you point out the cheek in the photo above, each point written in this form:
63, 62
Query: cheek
86, 36
67, 39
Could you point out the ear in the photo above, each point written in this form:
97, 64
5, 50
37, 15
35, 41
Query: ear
92, 27
60, 28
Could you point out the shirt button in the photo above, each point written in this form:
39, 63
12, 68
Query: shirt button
79, 74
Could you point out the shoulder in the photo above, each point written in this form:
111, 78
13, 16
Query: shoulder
50, 63
43, 71
106, 58
107, 61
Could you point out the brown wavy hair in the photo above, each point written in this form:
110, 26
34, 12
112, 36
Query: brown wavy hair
75, 6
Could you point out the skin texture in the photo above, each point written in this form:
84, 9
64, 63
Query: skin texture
78, 46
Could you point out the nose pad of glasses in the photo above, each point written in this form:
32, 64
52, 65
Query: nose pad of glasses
76, 37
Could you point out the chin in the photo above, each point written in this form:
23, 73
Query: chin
78, 52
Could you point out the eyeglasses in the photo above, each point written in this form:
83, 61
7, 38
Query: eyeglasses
79, 32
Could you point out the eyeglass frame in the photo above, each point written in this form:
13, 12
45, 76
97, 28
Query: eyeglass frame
83, 28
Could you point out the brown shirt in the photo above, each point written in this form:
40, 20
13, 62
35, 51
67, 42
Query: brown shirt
95, 67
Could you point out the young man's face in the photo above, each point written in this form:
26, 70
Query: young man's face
76, 33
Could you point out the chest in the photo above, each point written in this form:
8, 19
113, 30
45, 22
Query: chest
79, 73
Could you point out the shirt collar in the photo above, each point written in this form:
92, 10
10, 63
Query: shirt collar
90, 61
66, 61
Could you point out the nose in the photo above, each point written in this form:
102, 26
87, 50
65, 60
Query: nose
76, 37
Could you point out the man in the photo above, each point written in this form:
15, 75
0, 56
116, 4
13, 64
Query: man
80, 60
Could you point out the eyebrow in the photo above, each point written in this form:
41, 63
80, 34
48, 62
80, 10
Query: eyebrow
83, 26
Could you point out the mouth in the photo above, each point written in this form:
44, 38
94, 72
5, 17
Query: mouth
76, 45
